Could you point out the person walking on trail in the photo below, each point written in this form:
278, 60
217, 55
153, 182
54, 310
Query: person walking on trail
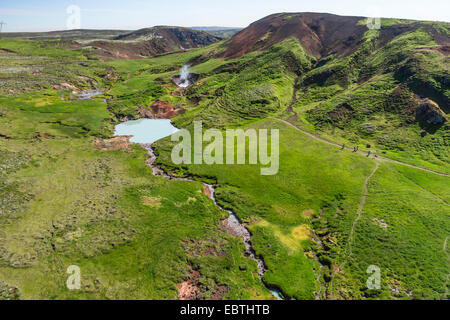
368, 153
343, 146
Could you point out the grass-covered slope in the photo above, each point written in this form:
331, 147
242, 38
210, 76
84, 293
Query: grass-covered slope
385, 95
365, 99
318, 224
65, 202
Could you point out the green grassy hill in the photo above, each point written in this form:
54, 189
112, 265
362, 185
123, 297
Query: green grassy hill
318, 224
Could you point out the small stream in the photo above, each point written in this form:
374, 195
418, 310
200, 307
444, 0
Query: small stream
87, 95
237, 228
234, 226
318, 293
82, 96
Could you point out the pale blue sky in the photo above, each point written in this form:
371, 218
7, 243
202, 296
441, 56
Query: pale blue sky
44, 15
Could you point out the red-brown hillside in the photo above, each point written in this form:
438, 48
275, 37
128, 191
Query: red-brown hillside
319, 33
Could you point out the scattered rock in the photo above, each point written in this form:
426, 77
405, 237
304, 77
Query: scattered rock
8, 292
394, 290
380, 222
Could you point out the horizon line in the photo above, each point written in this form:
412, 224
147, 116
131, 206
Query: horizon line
47, 30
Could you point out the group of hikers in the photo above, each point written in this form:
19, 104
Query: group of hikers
356, 149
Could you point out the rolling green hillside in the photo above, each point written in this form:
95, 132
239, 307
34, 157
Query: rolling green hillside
69, 198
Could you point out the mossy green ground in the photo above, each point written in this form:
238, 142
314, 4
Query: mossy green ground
274, 206
67, 204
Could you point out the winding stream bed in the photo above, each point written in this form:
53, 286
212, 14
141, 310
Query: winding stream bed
87, 95
234, 225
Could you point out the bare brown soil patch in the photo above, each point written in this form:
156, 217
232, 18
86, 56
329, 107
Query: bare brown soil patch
38, 136
308, 213
164, 110
189, 289
116, 143
145, 113
2, 50
207, 191
336, 269
219, 292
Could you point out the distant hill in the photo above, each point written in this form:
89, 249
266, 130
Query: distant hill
154, 41
414, 53
388, 87
179, 36
321, 34
80, 34
221, 32
125, 43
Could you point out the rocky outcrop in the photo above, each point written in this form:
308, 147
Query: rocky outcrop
428, 112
